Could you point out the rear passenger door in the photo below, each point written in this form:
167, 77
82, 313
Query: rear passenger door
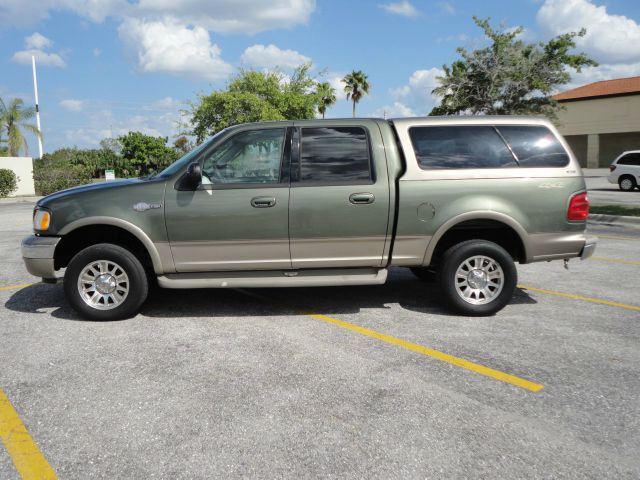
339, 198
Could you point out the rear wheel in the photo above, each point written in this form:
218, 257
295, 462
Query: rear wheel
105, 282
477, 277
627, 183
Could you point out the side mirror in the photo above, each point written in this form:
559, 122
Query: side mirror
194, 174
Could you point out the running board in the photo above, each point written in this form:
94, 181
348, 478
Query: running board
280, 278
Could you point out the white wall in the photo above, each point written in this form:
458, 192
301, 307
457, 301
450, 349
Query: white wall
23, 168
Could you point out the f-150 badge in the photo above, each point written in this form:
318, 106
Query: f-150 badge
143, 206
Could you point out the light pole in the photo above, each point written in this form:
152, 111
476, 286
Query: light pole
35, 90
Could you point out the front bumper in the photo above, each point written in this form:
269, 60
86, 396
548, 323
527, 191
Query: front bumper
38, 253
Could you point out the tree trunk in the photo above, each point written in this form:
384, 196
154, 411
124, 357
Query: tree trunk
354, 109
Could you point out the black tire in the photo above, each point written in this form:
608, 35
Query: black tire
453, 259
424, 274
137, 283
627, 183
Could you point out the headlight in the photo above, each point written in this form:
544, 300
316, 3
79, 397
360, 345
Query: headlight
41, 219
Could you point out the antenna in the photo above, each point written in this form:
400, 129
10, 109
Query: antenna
35, 90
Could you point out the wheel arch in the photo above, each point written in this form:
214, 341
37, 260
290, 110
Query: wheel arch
464, 227
83, 232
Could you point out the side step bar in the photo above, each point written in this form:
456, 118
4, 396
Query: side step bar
280, 278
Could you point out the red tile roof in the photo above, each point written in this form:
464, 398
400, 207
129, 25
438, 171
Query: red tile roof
619, 86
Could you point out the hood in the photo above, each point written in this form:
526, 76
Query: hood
90, 187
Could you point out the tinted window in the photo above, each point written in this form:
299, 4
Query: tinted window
460, 147
334, 155
248, 157
631, 159
534, 146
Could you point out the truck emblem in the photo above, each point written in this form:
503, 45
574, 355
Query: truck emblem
142, 206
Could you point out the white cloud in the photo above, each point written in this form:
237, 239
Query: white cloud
403, 8
416, 94
398, 109
222, 16
169, 47
272, 56
447, 7
166, 103
610, 39
602, 72
72, 105
42, 58
233, 16
34, 47
37, 41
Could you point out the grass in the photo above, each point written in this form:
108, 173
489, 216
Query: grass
631, 211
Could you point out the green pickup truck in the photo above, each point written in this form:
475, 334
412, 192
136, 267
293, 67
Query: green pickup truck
324, 202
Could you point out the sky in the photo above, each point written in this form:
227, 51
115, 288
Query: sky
106, 67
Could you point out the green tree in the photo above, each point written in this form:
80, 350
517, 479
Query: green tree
12, 118
510, 76
254, 96
326, 96
144, 154
356, 86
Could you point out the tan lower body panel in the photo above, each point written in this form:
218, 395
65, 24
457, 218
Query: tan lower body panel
553, 246
337, 252
231, 255
266, 279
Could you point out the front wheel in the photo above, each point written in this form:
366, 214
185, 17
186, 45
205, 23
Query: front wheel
105, 282
477, 277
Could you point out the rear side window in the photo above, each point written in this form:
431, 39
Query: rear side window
534, 146
333, 155
630, 159
460, 147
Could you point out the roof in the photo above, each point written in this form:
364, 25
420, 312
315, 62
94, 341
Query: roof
604, 88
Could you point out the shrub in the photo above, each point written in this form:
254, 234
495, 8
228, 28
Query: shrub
49, 177
8, 182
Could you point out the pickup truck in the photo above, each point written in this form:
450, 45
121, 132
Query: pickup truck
324, 202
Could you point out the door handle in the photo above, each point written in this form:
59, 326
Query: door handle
361, 198
263, 202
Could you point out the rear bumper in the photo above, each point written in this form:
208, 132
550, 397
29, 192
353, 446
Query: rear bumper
558, 246
38, 255
589, 248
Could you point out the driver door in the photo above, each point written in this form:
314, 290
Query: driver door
238, 218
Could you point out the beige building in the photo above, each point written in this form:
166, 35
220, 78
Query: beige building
601, 120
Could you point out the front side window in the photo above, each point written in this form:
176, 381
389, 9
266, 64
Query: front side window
334, 155
248, 157
630, 159
534, 146
460, 147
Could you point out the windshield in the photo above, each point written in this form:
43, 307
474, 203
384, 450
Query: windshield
187, 158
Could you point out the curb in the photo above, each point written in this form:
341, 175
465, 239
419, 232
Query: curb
21, 199
613, 219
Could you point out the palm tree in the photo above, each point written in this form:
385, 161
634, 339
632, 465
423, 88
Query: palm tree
326, 96
12, 119
356, 86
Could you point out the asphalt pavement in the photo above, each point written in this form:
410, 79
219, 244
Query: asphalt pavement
351, 382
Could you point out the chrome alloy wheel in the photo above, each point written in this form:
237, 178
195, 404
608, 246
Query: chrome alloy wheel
479, 280
103, 285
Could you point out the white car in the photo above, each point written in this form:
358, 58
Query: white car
625, 170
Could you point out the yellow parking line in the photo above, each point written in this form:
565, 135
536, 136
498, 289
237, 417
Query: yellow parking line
25, 454
15, 287
580, 297
615, 237
615, 260
474, 367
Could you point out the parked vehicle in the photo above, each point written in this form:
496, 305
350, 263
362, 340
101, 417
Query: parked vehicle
324, 202
625, 170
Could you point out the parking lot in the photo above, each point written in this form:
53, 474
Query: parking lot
366, 382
